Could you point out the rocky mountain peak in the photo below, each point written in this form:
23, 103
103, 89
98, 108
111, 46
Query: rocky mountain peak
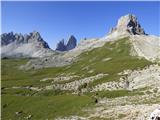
72, 43
61, 46
18, 38
7, 38
35, 36
27, 45
129, 24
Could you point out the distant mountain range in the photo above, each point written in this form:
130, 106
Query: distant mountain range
28, 45
33, 45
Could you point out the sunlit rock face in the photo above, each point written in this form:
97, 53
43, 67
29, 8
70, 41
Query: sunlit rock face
28, 45
33, 37
129, 24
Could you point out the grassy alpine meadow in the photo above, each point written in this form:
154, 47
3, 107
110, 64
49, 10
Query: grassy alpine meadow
40, 105
18, 102
43, 107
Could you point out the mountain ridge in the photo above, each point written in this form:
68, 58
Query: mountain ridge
138, 41
127, 26
27, 45
7, 38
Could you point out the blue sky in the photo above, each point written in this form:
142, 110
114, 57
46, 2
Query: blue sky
57, 20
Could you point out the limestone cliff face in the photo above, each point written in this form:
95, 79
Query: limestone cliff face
144, 45
128, 24
71, 44
61, 46
33, 37
28, 45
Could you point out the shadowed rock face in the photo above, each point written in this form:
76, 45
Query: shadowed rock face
61, 46
7, 38
130, 24
72, 43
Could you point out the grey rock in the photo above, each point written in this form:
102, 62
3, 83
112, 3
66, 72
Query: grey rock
61, 46
71, 44
19, 112
7, 38
26, 37
28, 45
130, 24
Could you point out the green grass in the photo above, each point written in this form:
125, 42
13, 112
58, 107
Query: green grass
13, 76
120, 116
116, 93
43, 107
54, 103
118, 51
21, 91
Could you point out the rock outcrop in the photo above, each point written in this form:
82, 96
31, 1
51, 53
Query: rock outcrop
146, 46
71, 44
130, 24
28, 45
33, 37
61, 46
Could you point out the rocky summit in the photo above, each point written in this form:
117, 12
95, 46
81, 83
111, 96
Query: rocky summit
61, 46
130, 24
71, 44
33, 37
28, 45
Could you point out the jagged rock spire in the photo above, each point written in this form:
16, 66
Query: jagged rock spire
129, 24
72, 43
17, 45
61, 46
18, 38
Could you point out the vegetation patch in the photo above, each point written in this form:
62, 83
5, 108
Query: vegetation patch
115, 93
43, 107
